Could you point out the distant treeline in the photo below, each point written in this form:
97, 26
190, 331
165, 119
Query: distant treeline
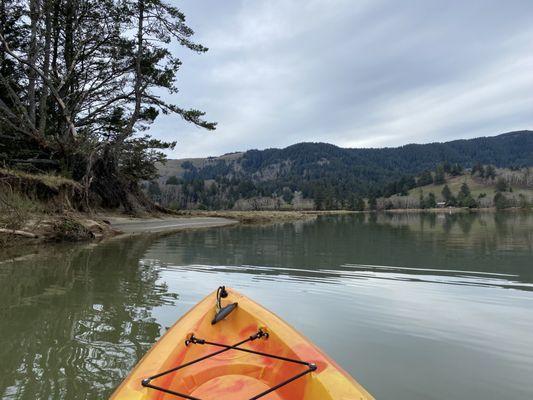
334, 177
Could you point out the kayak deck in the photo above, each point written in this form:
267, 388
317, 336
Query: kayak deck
271, 361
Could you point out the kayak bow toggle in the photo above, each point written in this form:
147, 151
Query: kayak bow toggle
222, 312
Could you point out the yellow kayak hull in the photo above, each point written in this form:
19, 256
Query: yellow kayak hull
235, 374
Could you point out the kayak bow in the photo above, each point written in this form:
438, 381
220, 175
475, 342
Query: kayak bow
239, 351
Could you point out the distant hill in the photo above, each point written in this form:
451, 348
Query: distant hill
517, 189
320, 169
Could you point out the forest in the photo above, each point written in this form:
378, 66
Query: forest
333, 177
80, 83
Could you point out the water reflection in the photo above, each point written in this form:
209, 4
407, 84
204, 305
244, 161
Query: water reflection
434, 295
484, 242
73, 321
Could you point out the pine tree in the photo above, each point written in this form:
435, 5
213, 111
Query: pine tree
359, 204
478, 169
464, 198
439, 175
372, 203
501, 185
430, 201
464, 191
421, 202
490, 172
319, 198
446, 193
500, 201
456, 170
425, 179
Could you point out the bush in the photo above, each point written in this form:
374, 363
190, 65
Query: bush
469, 202
500, 201
523, 201
501, 185
70, 230
173, 180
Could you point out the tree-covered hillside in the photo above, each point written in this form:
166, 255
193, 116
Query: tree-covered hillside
334, 174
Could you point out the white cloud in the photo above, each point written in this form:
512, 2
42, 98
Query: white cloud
353, 73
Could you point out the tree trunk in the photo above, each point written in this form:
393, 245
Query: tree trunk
43, 104
32, 59
68, 56
3, 18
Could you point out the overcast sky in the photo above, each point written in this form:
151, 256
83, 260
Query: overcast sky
353, 73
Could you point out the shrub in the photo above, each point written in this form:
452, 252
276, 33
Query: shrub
500, 201
70, 230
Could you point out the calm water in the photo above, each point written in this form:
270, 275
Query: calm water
414, 306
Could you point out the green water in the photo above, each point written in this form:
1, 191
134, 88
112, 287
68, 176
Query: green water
414, 306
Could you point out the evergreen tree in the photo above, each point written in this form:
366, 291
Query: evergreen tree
77, 92
439, 175
421, 202
425, 179
356, 203
490, 172
430, 202
464, 191
501, 185
456, 170
287, 195
372, 203
351, 203
329, 200
500, 201
173, 180
447, 194
359, 204
319, 199
464, 198
478, 169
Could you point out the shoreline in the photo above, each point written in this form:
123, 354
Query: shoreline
134, 226
77, 227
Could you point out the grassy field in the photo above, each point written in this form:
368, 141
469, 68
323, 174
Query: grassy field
481, 189
477, 187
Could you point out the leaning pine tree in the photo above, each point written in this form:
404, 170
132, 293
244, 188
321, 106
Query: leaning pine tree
79, 85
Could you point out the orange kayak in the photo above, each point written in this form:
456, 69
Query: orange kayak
229, 347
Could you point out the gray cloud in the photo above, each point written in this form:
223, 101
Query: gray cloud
353, 73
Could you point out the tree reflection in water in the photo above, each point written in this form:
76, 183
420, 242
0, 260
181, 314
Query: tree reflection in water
73, 323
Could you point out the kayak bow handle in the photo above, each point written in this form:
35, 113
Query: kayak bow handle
222, 312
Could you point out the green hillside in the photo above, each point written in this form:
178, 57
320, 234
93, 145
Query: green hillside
329, 176
519, 187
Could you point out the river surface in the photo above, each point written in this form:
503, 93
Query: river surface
415, 306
